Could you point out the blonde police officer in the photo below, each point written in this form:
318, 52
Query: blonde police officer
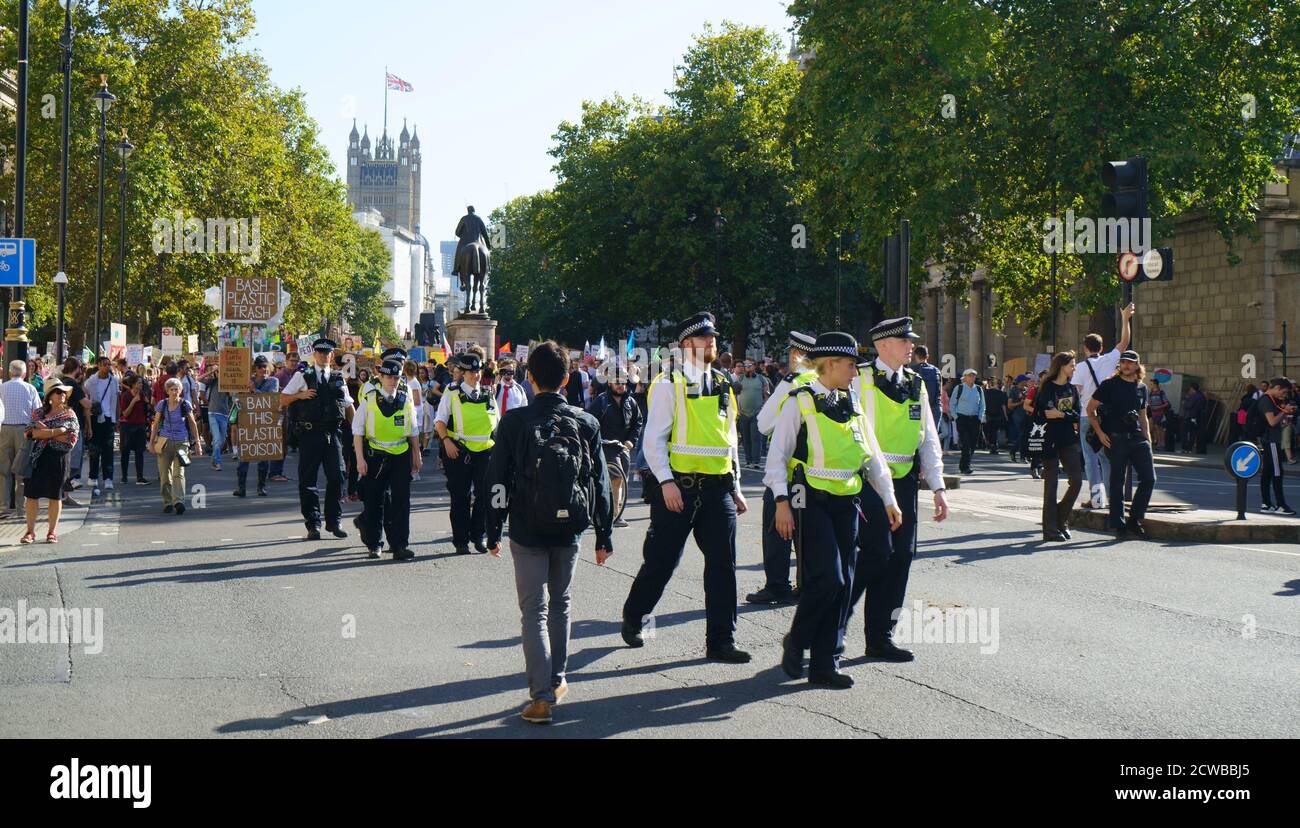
894, 401
385, 435
465, 422
821, 446
690, 447
776, 549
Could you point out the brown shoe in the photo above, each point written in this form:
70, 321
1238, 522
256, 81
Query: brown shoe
560, 690
537, 712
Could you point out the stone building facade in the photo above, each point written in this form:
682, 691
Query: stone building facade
1210, 322
387, 180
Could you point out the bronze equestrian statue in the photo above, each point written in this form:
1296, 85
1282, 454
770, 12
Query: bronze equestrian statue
472, 255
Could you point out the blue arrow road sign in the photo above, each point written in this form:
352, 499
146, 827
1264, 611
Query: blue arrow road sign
18, 262
1244, 461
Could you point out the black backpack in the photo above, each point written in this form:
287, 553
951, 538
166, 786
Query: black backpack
1256, 425
557, 472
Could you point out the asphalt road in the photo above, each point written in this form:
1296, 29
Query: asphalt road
227, 622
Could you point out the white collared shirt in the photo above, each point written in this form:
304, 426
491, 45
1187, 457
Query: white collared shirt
659, 420
785, 438
298, 382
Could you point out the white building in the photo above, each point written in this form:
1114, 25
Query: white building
410, 275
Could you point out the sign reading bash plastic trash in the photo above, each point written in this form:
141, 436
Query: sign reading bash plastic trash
250, 298
260, 431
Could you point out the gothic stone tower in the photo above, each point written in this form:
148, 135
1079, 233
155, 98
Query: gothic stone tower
388, 180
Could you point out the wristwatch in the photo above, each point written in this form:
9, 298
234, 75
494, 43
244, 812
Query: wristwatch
782, 498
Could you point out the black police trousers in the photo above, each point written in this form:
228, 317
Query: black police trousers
316, 453
828, 527
884, 558
466, 474
387, 499
776, 549
709, 515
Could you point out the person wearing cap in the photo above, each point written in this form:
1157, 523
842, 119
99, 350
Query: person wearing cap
898, 411
263, 383
1093, 369
968, 406
776, 549
319, 402
371, 386
821, 445
55, 429
1117, 413
465, 422
385, 438
691, 448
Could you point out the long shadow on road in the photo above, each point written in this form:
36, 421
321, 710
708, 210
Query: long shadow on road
577, 718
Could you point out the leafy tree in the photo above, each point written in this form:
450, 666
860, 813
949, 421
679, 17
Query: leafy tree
214, 140
1044, 91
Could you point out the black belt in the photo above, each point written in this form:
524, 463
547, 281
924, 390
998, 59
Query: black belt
700, 482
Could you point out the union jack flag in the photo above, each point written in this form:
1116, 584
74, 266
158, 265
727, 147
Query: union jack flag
397, 83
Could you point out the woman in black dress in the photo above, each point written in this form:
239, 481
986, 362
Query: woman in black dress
54, 427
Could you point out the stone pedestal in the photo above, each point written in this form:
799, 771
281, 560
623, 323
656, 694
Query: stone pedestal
473, 328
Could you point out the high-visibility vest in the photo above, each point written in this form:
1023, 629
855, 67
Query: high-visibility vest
389, 434
703, 436
836, 451
898, 425
472, 423
799, 380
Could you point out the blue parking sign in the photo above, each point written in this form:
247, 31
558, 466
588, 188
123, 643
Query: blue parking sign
18, 262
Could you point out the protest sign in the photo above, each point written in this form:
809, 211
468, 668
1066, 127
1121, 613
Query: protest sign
250, 298
235, 369
259, 432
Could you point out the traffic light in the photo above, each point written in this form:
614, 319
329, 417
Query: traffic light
1127, 181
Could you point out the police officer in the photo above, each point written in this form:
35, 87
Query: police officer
776, 549
466, 419
319, 402
691, 448
820, 446
385, 435
372, 386
894, 401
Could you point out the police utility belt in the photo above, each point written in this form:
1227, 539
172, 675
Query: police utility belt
697, 482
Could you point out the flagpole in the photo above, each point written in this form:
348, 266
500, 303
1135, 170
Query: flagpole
385, 100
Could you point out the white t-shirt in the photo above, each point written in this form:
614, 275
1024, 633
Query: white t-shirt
1103, 366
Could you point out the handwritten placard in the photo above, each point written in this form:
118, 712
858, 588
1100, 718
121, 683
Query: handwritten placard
260, 430
250, 298
234, 370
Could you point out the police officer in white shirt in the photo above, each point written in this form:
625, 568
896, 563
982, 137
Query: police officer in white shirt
320, 404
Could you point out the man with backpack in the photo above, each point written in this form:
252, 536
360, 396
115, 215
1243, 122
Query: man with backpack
547, 473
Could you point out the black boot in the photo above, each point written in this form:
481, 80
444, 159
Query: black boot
242, 489
261, 485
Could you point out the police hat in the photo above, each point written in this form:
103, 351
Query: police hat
393, 353
900, 327
391, 368
701, 324
802, 341
323, 345
470, 362
834, 344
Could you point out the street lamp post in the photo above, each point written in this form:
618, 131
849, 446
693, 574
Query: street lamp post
719, 222
124, 149
16, 323
103, 100
66, 42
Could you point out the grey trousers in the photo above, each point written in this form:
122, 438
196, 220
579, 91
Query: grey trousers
12, 439
539, 571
